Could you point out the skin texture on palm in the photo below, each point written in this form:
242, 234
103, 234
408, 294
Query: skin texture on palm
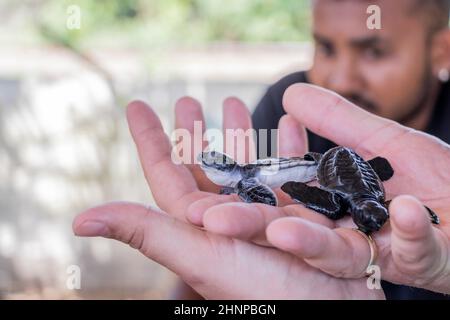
216, 266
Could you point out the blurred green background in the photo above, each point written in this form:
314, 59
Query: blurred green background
64, 143
161, 22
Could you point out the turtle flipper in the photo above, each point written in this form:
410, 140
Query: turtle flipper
251, 190
433, 216
313, 156
382, 167
329, 204
227, 190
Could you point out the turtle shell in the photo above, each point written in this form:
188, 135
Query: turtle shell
343, 171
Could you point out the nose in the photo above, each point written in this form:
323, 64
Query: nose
344, 77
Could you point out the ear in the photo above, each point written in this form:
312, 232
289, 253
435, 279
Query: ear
440, 52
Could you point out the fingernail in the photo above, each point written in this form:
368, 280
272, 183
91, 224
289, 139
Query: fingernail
92, 229
195, 217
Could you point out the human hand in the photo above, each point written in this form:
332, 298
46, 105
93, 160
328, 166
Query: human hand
216, 266
411, 250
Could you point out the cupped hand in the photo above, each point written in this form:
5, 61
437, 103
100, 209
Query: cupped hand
216, 266
412, 251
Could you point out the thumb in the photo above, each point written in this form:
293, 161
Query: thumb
170, 242
418, 249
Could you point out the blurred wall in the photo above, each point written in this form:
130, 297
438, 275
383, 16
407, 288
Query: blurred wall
65, 146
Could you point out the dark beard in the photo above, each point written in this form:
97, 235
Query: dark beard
362, 102
422, 99
411, 114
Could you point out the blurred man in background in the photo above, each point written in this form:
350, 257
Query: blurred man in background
400, 72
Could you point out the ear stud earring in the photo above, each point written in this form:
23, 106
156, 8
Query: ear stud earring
444, 75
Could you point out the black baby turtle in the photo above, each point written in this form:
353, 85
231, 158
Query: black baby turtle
348, 184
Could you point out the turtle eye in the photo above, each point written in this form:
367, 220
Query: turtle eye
224, 159
200, 157
206, 158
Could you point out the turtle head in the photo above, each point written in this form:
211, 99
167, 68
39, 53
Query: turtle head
216, 161
219, 168
370, 216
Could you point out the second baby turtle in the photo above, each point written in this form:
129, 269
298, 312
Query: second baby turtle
253, 181
348, 183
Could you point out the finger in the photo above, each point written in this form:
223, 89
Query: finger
172, 243
249, 221
293, 138
418, 249
238, 136
168, 181
283, 198
197, 209
240, 220
189, 116
293, 142
342, 253
331, 116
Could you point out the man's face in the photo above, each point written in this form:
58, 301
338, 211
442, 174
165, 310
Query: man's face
387, 71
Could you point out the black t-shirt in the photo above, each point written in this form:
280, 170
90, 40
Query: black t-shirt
269, 111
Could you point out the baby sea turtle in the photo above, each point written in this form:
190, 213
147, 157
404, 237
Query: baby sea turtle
253, 182
348, 184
